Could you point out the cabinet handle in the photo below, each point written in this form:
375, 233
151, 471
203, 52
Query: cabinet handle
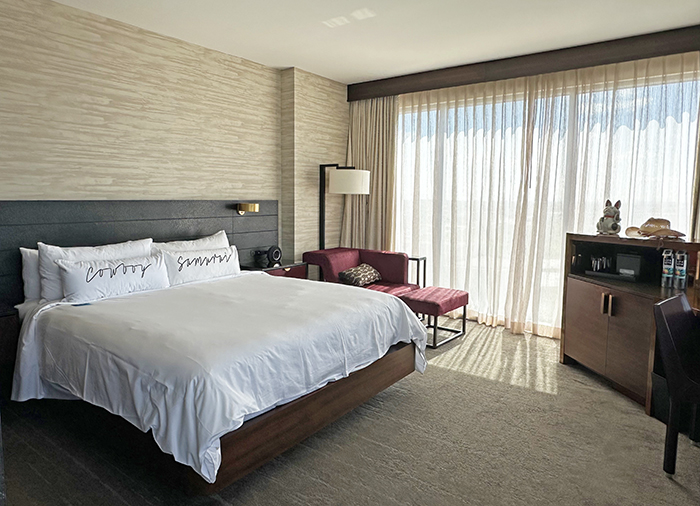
602, 303
610, 304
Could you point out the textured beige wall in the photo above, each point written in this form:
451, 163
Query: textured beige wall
318, 109
321, 134
91, 108
287, 200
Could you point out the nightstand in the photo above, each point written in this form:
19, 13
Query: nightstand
287, 269
9, 335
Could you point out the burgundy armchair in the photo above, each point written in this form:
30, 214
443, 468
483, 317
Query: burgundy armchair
393, 267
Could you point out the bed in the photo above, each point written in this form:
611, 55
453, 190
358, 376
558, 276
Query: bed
226, 373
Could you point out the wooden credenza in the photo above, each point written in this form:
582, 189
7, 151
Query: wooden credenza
608, 323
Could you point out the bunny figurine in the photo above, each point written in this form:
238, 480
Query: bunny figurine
609, 223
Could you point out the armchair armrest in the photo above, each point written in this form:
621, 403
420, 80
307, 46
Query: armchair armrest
393, 267
424, 261
333, 261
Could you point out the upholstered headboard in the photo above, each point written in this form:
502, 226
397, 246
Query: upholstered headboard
95, 222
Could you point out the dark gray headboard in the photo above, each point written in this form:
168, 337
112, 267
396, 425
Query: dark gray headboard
95, 222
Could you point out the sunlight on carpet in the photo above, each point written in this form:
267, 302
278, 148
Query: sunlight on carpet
496, 354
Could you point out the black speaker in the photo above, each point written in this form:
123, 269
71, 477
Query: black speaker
270, 257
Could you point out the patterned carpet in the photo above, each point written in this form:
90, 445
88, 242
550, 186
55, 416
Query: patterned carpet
495, 420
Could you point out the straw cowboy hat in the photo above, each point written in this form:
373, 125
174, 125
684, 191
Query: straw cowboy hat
654, 227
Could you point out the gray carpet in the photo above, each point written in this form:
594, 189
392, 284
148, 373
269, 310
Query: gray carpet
495, 420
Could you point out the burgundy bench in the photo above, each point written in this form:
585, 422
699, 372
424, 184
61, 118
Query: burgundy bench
435, 301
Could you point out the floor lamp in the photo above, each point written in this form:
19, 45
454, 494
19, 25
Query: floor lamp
341, 180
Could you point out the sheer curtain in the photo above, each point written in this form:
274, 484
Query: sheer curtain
490, 177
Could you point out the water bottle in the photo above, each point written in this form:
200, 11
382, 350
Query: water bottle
667, 269
680, 270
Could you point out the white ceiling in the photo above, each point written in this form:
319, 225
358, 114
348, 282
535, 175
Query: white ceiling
361, 40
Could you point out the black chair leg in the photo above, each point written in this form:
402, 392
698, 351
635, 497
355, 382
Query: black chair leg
671, 447
435, 331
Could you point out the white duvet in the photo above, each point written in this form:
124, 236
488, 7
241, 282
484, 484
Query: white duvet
193, 362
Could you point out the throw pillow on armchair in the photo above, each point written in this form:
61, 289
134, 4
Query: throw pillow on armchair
362, 275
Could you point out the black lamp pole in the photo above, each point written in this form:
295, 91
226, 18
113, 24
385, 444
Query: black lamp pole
322, 203
322, 206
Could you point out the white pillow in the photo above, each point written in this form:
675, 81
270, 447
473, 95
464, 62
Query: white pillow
51, 288
216, 241
30, 273
188, 266
89, 280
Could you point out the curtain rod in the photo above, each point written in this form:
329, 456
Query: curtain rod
680, 40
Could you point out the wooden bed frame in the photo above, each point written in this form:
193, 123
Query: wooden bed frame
262, 438
76, 223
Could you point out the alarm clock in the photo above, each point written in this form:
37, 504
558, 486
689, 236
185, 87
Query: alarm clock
270, 257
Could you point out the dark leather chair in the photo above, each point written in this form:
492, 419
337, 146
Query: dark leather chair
678, 338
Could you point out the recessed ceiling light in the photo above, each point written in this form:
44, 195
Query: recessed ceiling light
363, 14
335, 22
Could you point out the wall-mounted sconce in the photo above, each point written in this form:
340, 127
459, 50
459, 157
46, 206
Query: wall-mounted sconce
247, 208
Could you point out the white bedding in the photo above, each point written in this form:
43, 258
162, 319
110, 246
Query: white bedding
193, 362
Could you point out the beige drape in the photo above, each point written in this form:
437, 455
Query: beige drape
695, 213
368, 221
491, 176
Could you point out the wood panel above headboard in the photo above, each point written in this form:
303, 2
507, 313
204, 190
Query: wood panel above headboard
95, 222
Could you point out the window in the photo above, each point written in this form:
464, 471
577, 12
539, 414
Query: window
490, 177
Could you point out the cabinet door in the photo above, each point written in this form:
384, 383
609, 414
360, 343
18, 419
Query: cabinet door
629, 337
585, 338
